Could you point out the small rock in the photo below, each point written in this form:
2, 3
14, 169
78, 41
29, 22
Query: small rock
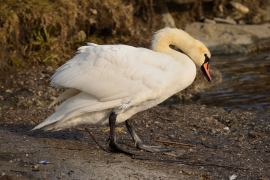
240, 7
93, 11
232, 177
209, 21
9, 91
39, 93
226, 128
227, 21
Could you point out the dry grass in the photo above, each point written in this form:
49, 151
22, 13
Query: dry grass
48, 32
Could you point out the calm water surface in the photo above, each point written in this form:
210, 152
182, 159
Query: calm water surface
246, 82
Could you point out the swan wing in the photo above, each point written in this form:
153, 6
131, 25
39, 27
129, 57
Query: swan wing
110, 72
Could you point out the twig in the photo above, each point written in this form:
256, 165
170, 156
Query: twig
72, 149
190, 163
166, 119
176, 143
96, 141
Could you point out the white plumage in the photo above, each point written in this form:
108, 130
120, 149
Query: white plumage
102, 79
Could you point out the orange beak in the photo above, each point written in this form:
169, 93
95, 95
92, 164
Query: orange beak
205, 71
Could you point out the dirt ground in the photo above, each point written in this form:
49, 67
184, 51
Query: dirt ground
217, 144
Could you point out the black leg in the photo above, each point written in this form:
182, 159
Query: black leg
139, 143
113, 144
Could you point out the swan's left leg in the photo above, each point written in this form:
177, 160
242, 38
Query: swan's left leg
139, 142
113, 144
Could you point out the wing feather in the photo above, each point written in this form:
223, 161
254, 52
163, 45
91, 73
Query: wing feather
111, 72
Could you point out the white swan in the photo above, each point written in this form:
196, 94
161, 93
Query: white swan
110, 83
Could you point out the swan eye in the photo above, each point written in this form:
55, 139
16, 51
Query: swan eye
207, 59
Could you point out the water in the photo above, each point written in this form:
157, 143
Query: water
246, 82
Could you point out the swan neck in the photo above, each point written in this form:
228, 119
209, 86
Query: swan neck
164, 38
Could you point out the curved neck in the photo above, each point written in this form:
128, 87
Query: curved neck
171, 36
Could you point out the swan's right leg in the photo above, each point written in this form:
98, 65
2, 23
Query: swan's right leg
113, 144
139, 142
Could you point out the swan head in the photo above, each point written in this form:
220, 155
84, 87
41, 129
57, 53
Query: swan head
193, 48
201, 56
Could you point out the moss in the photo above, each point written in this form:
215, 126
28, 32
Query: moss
51, 60
17, 62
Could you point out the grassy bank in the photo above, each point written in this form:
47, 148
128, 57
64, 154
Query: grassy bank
48, 32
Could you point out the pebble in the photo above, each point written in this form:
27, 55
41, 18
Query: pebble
226, 128
9, 91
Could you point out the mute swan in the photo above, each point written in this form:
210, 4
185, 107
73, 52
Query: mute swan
107, 84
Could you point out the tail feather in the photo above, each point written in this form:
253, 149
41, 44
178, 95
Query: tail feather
65, 95
49, 127
75, 106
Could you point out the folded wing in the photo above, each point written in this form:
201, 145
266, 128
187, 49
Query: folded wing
110, 72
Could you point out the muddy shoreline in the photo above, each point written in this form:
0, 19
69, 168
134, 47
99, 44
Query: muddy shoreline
222, 143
